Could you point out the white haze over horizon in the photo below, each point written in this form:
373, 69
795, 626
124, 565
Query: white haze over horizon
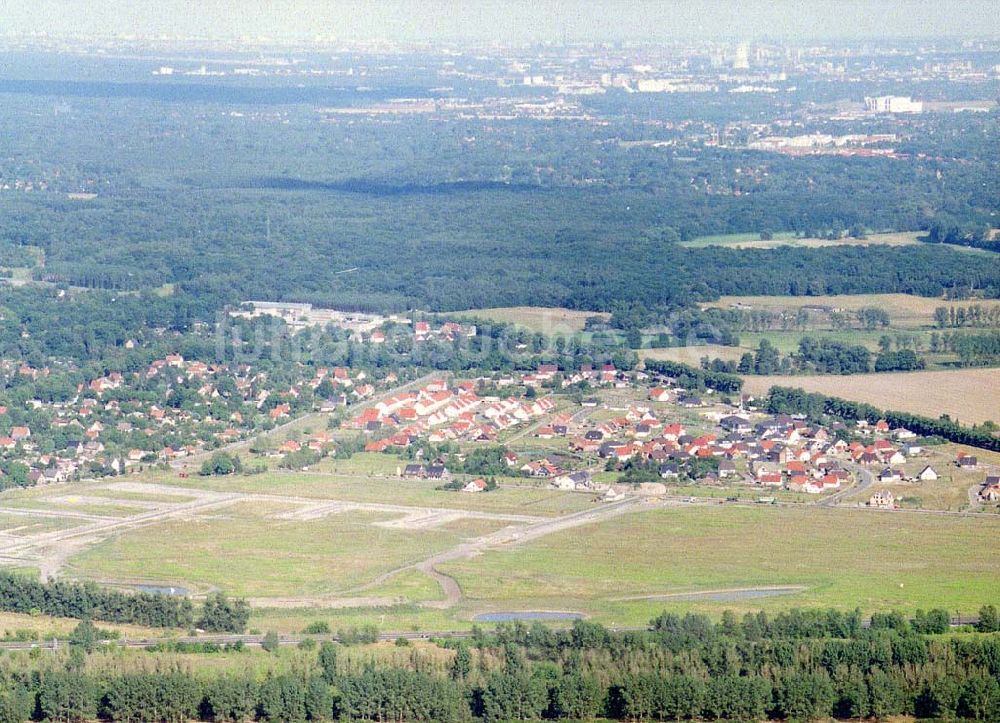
514, 21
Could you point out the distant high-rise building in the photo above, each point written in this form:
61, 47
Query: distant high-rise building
742, 59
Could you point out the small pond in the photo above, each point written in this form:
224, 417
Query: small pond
162, 589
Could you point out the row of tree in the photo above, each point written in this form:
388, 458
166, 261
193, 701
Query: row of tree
817, 356
977, 349
974, 315
689, 377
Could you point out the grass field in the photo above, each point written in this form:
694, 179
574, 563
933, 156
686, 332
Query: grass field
32, 525
139, 496
753, 241
42, 626
967, 395
537, 318
247, 551
844, 558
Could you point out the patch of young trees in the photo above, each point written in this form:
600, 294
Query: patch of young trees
87, 601
221, 464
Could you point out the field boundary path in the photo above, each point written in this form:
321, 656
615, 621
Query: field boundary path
501, 539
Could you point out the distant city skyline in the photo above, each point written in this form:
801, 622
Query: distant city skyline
505, 20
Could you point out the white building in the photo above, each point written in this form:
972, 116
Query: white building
893, 104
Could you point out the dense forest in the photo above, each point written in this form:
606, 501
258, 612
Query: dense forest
499, 248
223, 202
801, 665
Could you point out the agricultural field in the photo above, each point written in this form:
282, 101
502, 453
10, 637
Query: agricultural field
905, 310
911, 325
967, 395
628, 568
754, 241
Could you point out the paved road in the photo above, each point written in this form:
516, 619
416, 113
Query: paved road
865, 480
974, 502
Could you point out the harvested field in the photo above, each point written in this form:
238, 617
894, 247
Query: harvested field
968, 395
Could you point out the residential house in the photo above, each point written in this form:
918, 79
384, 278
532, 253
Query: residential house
883, 499
659, 394
927, 474
890, 475
737, 424
966, 461
476, 485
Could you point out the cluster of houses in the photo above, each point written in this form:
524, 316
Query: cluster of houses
112, 424
448, 331
441, 412
587, 374
989, 489
777, 451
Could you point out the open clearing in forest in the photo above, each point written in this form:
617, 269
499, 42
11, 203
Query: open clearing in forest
692, 354
536, 318
968, 395
754, 241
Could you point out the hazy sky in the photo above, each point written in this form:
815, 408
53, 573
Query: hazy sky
507, 20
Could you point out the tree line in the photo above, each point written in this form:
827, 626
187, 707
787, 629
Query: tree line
974, 315
818, 356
